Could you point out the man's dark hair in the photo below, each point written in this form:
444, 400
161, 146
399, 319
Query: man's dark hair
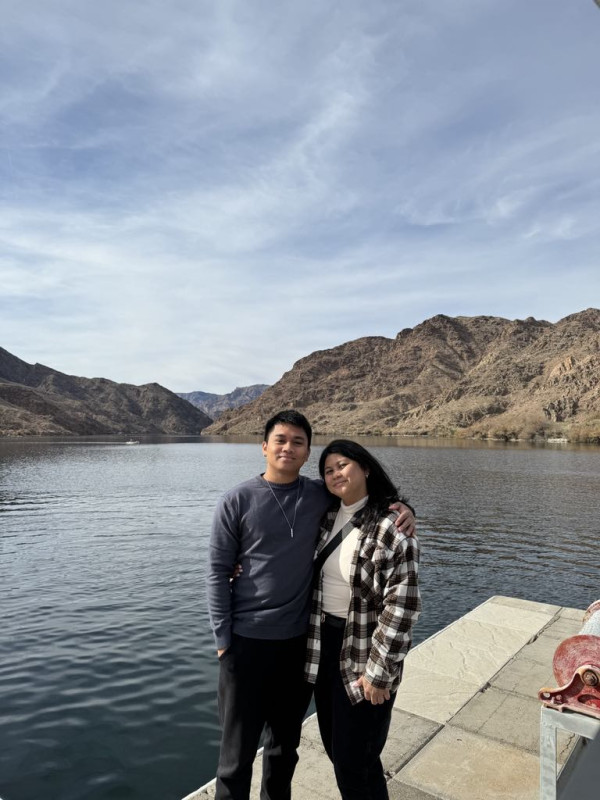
289, 417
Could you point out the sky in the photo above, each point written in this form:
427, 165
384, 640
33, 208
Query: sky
201, 193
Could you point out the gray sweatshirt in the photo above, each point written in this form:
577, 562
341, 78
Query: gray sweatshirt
271, 598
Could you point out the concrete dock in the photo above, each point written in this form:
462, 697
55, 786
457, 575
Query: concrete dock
466, 718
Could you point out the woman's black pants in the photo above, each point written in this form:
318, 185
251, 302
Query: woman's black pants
353, 735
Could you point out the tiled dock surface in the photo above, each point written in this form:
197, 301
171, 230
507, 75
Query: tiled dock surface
466, 719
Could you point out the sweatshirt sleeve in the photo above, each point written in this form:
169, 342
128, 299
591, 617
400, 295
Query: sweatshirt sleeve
223, 554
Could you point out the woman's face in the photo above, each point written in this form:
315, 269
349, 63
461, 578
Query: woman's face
345, 478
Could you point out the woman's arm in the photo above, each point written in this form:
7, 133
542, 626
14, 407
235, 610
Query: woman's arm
401, 608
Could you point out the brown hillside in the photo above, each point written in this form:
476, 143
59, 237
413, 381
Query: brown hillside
469, 376
37, 400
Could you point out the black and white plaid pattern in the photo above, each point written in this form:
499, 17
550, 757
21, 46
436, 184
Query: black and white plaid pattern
385, 604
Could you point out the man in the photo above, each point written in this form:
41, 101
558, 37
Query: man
269, 526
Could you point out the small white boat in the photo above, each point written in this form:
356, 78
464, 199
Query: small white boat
132, 441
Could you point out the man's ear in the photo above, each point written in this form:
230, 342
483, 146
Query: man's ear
264, 448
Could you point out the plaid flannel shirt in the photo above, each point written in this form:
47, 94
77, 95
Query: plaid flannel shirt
385, 603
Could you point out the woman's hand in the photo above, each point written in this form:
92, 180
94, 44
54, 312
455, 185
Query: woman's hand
373, 694
405, 521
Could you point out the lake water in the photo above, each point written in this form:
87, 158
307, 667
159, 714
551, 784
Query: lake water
107, 666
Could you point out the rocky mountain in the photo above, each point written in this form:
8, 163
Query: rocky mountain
38, 400
462, 376
215, 404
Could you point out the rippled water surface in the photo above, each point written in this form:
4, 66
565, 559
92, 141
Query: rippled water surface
107, 668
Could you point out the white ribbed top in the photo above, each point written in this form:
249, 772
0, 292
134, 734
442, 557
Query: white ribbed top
336, 570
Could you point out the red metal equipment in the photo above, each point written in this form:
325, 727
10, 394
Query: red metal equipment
576, 667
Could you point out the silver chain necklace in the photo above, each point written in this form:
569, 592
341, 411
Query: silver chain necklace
291, 527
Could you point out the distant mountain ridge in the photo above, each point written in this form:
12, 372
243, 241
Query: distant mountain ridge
38, 400
215, 404
448, 376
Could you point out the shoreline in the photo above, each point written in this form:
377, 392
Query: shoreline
318, 438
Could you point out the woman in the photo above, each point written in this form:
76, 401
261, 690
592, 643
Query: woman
365, 601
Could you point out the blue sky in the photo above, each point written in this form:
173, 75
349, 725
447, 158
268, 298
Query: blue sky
201, 193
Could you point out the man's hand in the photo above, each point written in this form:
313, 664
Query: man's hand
372, 694
220, 652
405, 520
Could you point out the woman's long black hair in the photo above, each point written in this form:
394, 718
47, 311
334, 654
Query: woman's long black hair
382, 491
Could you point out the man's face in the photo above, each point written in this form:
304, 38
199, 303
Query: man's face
286, 450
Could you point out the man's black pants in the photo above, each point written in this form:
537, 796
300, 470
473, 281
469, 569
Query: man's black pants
353, 735
261, 685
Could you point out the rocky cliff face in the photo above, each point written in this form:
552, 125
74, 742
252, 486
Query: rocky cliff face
37, 400
471, 376
215, 404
